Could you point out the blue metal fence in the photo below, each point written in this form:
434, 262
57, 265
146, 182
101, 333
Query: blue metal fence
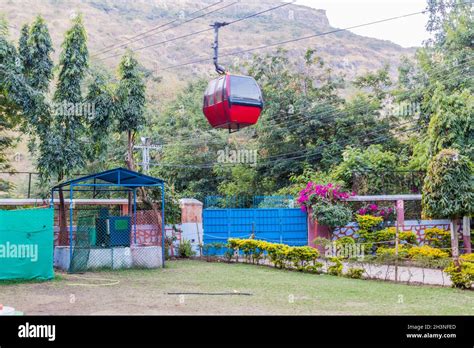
286, 226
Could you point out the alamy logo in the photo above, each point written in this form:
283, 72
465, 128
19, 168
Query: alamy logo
237, 156
37, 331
19, 251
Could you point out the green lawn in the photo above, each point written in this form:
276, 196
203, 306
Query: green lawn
273, 292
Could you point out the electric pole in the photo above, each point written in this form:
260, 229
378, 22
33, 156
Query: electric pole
146, 146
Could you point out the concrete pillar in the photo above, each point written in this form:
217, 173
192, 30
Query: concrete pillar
191, 222
400, 209
316, 230
191, 210
466, 234
124, 209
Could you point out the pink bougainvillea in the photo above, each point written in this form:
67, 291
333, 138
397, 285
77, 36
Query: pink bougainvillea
329, 193
376, 210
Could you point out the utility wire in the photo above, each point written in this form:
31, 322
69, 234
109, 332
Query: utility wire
307, 152
164, 30
295, 40
132, 39
201, 31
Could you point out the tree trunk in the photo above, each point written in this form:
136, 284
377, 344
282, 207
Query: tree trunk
454, 241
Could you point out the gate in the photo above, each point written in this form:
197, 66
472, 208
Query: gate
276, 225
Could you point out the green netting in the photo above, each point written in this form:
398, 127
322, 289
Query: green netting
101, 240
85, 237
26, 244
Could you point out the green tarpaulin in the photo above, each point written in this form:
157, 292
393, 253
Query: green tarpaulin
26, 244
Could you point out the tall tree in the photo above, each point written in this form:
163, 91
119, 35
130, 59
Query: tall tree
448, 191
39, 67
11, 84
35, 49
64, 150
439, 82
130, 101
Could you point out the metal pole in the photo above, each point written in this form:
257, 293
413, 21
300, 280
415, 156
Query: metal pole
135, 216
29, 185
215, 46
163, 229
396, 251
51, 203
70, 224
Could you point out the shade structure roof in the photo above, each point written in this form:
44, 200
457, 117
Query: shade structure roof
115, 177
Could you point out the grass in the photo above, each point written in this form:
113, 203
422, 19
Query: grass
273, 292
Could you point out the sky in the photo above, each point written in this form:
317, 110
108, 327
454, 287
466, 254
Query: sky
406, 32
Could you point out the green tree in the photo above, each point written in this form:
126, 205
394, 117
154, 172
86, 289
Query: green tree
452, 122
365, 170
64, 150
190, 145
448, 190
24, 49
36, 56
439, 81
130, 101
101, 94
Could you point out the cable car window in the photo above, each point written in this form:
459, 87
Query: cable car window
219, 89
244, 88
210, 92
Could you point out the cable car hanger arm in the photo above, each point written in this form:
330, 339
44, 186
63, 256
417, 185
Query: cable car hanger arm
220, 70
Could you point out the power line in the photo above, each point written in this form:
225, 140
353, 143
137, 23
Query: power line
314, 153
295, 40
162, 31
307, 152
157, 27
201, 31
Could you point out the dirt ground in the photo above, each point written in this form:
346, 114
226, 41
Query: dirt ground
272, 291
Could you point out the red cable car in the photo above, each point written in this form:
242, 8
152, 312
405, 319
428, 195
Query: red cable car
231, 101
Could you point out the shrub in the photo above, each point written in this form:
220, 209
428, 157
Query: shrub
185, 249
427, 252
386, 252
438, 238
316, 268
332, 215
302, 256
345, 240
336, 267
467, 257
281, 255
390, 234
355, 272
463, 276
368, 222
326, 202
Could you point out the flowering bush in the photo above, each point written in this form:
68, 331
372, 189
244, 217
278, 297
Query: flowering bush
326, 204
438, 237
427, 252
376, 210
313, 193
